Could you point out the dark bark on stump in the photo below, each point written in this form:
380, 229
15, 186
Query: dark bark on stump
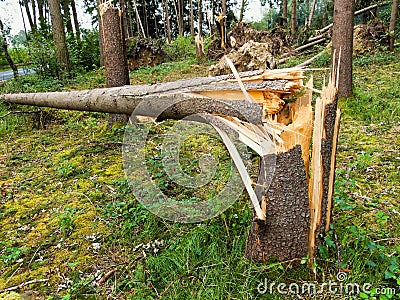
326, 153
284, 234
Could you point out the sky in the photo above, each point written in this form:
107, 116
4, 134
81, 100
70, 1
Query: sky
10, 14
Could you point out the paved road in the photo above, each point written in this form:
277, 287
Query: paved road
5, 75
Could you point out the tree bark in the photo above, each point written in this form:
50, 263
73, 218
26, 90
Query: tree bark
294, 18
67, 17
342, 44
292, 203
33, 5
29, 15
200, 18
60, 44
23, 19
115, 62
191, 18
4, 46
392, 26
76, 22
224, 11
42, 19
284, 12
242, 7
314, 3
166, 16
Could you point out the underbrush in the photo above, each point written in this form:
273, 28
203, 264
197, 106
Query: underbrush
67, 213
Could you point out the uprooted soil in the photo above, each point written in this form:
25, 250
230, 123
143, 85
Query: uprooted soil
144, 53
277, 39
370, 36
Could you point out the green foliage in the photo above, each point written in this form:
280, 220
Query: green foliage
183, 47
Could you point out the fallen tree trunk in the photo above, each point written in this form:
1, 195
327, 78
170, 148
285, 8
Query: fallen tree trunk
260, 107
220, 95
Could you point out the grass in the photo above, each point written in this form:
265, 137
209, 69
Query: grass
67, 213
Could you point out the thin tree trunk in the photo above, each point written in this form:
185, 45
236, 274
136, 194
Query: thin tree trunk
145, 18
242, 10
60, 44
294, 18
4, 46
129, 24
342, 44
33, 5
224, 7
284, 12
191, 18
23, 19
100, 33
76, 22
167, 22
67, 17
28, 13
115, 62
138, 20
42, 19
392, 26
200, 18
314, 3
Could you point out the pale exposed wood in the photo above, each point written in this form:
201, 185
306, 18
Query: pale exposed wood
316, 181
332, 170
243, 173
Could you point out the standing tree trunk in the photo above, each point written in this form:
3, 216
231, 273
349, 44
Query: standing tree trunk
4, 46
200, 18
166, 16
294, 18
191, 18
224, 7
284, 12
42, 19
314, 3
342, 44
33, 5
76, 22
60, 44
23, 19
29, 15
392, 26
67, 17
242, 7
117, 73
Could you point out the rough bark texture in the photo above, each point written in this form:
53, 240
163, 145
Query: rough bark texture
284, 234
294, 18
326, 151
342, 44
392, 26
59, 38
200, 18
115, 61
284, 11
191, 18
166, 15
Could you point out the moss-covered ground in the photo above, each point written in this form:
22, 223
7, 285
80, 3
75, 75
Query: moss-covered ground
67, 214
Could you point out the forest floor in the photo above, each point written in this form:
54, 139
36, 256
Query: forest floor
70, 224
